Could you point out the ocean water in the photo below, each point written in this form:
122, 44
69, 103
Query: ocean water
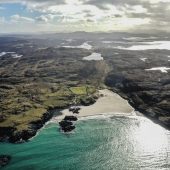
103, 143
93, 56
85, 45
161, 45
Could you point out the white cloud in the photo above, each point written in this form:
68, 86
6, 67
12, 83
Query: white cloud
131, 22
156, 1
45, 18
2, 20
18, 18
136, 9
1, 8
91, 15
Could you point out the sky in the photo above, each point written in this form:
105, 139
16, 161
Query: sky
20, 16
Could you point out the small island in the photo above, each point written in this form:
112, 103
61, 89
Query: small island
4, 160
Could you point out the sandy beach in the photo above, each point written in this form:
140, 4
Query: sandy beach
109, 104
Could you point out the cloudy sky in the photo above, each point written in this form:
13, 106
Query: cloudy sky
84, 15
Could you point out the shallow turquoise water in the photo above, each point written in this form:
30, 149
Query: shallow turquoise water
117, 143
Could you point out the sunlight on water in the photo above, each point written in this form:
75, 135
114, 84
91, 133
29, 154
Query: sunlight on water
93, 56
161, 45
150, 137
105, 143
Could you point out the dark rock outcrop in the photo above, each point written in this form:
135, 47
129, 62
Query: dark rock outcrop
65, 123
70, 118
66, 126
6, 133
2, 118
22, 136
4, 160
74, 109
87, 101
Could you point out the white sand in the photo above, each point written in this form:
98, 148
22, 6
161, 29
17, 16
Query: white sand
110, 104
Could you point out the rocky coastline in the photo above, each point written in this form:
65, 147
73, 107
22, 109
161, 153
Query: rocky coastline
67, 124
7, 134
152, 104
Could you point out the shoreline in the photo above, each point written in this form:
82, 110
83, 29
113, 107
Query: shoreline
142, 112
96, 116
109, 103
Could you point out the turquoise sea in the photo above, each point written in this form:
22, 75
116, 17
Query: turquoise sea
102, 143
